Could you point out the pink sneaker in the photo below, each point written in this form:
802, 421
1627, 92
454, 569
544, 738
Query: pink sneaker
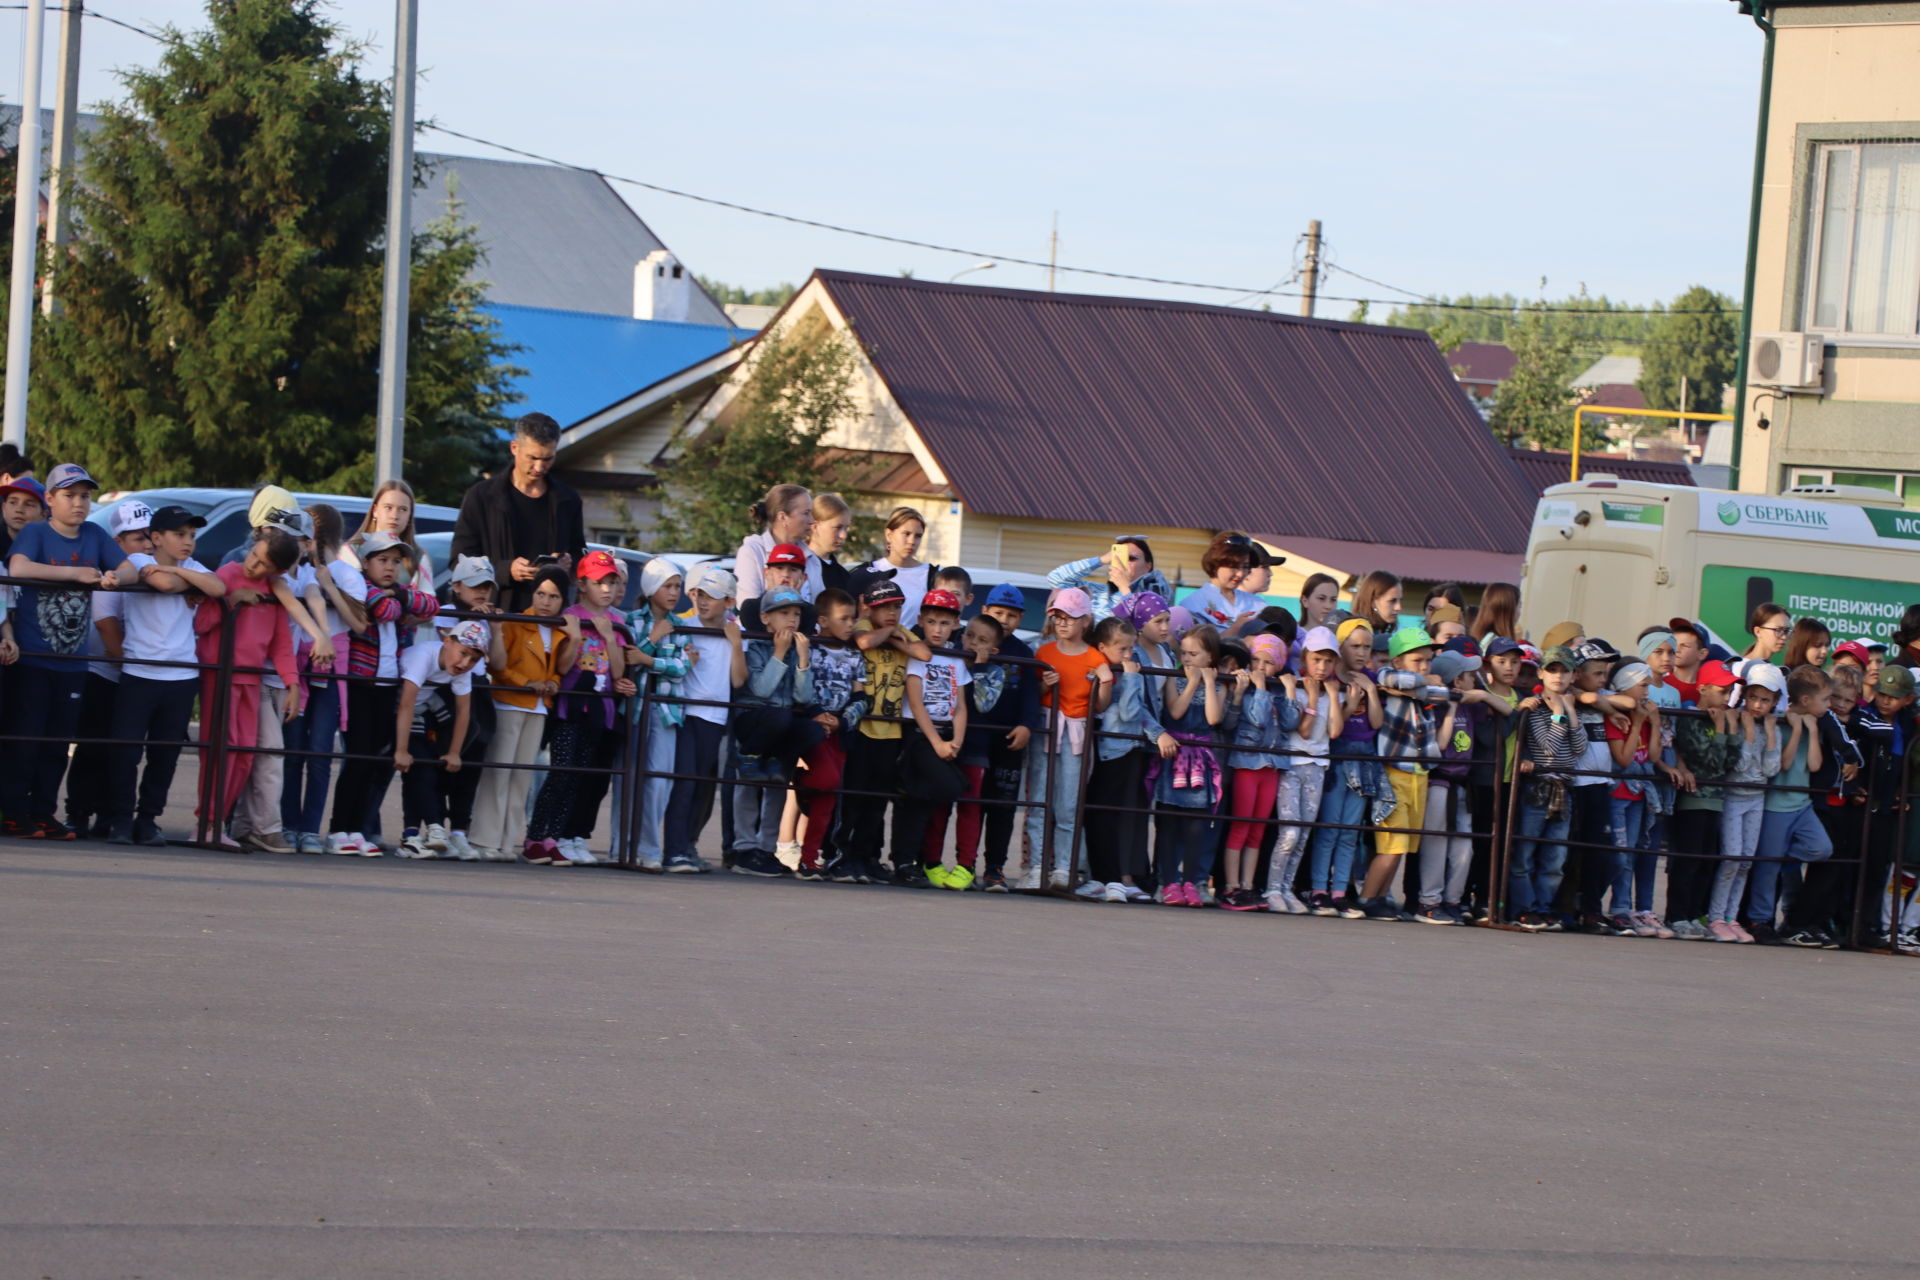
1193, 895
1721, 931
1642, 926
1175, 895
1740, 933
1659, 926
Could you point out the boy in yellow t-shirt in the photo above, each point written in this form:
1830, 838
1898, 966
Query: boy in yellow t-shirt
873, 749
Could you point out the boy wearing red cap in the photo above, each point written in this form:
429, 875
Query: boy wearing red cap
786, 567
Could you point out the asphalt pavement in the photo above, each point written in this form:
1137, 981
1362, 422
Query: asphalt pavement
281, 1066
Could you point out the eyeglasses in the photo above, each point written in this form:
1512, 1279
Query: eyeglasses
1779, 631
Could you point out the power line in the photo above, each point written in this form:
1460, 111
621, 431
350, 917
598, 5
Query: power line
107, 18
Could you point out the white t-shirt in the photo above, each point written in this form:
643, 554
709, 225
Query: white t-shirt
353, 585
941, 680
913, 582
1219, 608
711, 677
1315, 741
106, 604
159, 626
1596, 755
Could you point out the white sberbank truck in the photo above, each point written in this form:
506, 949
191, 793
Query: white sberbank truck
1617, 555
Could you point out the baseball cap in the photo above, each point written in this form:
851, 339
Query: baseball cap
471, 571
131, 516
165, 518
1319, 640
1629, 675
1071, 601
1595, 649
1717, 673
780, 598
939, 598
68, 474
712, 580
1451, 665
1560, 635
1558, 655
1870, 644
295, 523
596, 565
786, 553
27, 485
1006, 596
1446, 613
1460, 644
1408, 640
1894, 681
1382, 642
270, 498
376, 542
1530, 653
1855, 650
1764, 675
1497, 645
471, 634
885, 591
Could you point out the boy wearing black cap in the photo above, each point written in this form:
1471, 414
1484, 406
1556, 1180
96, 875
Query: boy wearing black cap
155, 703
51, 624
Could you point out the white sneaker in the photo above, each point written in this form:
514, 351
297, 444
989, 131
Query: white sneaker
1092, 890
579, 854
1276, 901
1136, 894
416, 847
459, 847
343, 842
367, 848
1295, 907
1058, 880
1029, 879
435, 837
1116, 892
652, 864
788, 851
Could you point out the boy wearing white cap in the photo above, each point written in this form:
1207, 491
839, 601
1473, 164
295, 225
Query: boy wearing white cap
427, 727
713, 662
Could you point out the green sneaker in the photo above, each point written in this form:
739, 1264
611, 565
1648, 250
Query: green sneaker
938, 877
956, 878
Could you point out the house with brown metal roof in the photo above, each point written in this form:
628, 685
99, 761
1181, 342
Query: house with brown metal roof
1032, 428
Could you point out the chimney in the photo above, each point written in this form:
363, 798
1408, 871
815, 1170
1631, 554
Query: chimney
662, 289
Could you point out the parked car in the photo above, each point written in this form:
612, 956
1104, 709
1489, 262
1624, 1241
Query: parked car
1033, 586
225, 511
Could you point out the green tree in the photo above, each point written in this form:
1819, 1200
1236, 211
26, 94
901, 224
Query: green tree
796, 389
1535, 402
724, 293
222, 298
1702, 348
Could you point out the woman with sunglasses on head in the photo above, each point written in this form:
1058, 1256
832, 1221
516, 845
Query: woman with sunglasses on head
1126, 568
1226, 562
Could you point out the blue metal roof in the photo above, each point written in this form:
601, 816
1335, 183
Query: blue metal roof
579, 362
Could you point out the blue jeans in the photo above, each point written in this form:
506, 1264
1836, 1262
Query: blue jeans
1795, 833
1539, 860
1330, 868
1632, 826
654, 793
1183, 853
1065, 784
303, 796
1740, 815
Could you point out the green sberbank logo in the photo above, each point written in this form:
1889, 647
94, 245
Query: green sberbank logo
1729, 513
1732, 512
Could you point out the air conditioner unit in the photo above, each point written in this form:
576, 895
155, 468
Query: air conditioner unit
1790, 361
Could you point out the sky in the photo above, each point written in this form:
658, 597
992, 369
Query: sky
1445, 149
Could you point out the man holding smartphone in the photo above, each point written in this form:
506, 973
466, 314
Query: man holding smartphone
523, 519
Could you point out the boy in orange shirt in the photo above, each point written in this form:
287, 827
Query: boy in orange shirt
1066, 684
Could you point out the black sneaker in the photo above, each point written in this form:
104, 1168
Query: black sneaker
995, 881
1380, 909
1455, 913
755, 862
1828, 942
1551, 923
1320, 903
1435, 914
121, 833
1530, 922
1765, 934
1620, 927
102, 828
51, 828
843, 871
1798, 938
911, 875
146, 834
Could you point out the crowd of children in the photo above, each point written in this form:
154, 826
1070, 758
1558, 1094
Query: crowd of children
1357, 763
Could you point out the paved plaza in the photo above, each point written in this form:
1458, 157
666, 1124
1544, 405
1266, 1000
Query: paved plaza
258, 1066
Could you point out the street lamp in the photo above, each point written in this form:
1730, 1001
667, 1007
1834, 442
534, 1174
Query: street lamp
978, 266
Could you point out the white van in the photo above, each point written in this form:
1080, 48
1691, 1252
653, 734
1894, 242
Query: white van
1618, 555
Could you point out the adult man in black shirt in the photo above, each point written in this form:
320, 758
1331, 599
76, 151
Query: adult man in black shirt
522, 518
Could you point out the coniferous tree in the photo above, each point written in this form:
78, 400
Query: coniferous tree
221, 320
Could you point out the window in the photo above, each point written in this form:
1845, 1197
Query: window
1894, 484
1864, 253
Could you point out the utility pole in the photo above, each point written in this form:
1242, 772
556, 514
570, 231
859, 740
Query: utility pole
1053, 250
389, 450
1310, 272
26, 225
66, 111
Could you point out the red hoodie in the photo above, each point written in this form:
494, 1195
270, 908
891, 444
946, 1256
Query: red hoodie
261, 636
